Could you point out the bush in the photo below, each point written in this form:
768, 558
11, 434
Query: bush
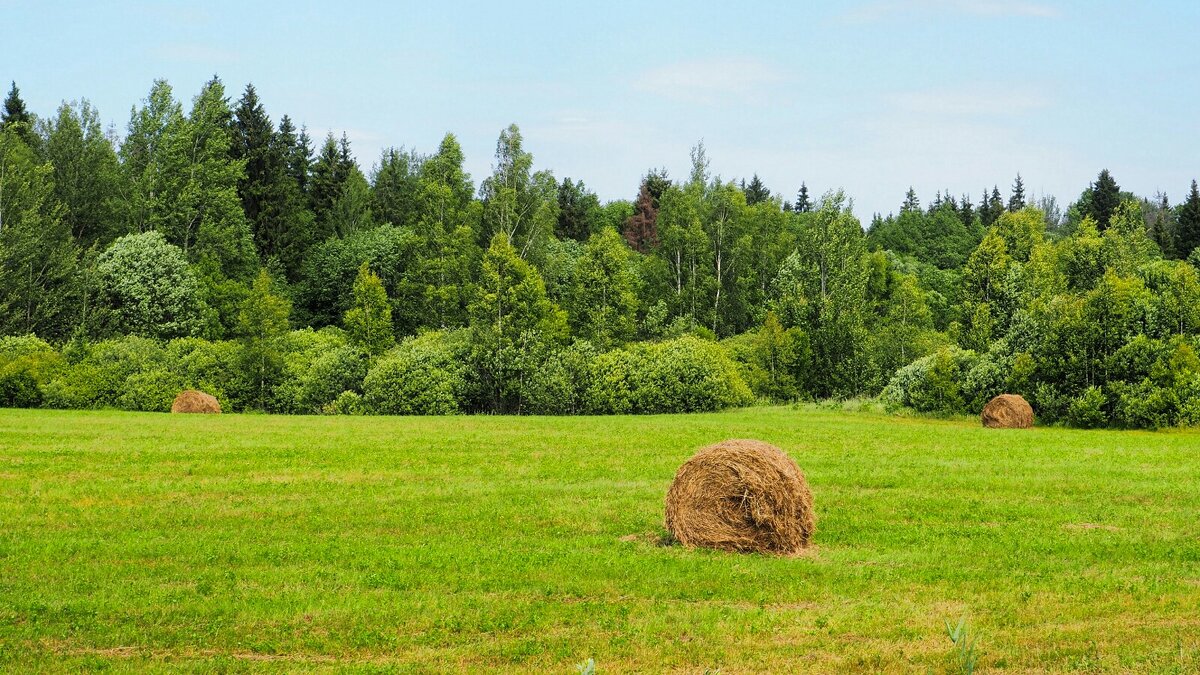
151, 391
1144, 405
301, 350
333, 374
422, 376
26, 364
211, 367
346, 403
99, 378
931, 383
1087, 410
687, 374
560, 385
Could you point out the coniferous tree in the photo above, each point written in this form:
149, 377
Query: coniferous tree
394, 186
966, 211
756, 191
641, 229
325, 183
1016, 201
803, 203
17, 118
1188, 232
1106, 196
271, 198
911, 202
578, 211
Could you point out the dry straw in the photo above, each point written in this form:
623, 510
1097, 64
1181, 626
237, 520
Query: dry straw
1007, 411
741, 495
192, 401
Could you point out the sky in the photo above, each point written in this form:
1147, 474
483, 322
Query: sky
871, 97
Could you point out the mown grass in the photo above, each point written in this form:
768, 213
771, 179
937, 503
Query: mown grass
144, 541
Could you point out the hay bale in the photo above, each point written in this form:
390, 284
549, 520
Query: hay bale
192, 401
1007, 411
741, 495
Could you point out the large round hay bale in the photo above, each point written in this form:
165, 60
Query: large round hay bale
192, 401
1007, 411
741, 495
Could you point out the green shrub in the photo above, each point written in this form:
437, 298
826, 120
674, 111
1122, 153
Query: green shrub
559, 387
346, 403
301, 351
151, 391
26, 365
19, 389
422, 376
1087, 410
211, 367
98, 379
332, 374
611, 382
686, 374
1144, 405
931, 383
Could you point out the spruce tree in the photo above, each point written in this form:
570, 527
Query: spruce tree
1188, 229
1016, 201
17, 118
1106, 196
756, 191
641, 229
325, 183
911, 202
803, 203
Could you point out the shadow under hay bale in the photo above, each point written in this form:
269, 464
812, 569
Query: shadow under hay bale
192, 401
1007, 411
741, 495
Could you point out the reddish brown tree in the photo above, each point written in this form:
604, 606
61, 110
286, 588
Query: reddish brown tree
641, 229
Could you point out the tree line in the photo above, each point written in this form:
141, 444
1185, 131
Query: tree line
245, 257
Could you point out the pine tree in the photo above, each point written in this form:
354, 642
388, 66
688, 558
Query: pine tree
326, 182
641, 229
368, 322
1188, 232
270, 199
992, 207
911, 202
1016, 201
578, 211
394, 186
803, 203
1106, 196
17, 118
756, 192
966, 211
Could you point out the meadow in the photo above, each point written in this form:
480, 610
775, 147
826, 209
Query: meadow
141, 541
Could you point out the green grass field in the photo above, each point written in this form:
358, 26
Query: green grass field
148, 541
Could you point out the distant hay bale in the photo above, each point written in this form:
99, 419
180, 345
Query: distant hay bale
1007, 411
741, 495
192, 401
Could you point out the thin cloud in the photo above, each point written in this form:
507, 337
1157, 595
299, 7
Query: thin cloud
710, 81
876, 11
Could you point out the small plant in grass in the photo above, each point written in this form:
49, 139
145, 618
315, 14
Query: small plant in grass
587, 667
965, 641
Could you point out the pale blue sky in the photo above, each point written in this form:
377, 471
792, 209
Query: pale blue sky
870, 96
